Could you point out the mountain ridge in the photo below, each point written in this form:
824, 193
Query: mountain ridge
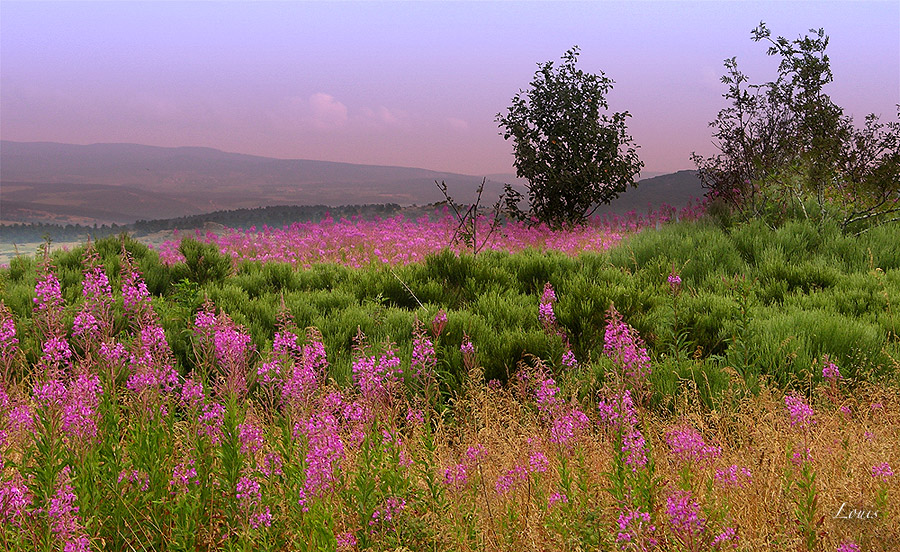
123, 182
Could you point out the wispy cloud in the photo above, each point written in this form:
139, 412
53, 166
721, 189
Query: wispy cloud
326, 112
458, 125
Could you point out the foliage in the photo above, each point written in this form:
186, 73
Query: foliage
787, 149
573, 157
259, 448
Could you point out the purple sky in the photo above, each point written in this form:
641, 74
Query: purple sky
411, 84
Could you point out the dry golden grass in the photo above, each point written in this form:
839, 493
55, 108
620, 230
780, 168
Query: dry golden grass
754, 432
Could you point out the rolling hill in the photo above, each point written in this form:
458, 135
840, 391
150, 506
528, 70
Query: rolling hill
122, 183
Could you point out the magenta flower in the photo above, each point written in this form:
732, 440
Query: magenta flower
848, 546
625, 348
636, 531
557, 498
439, 323
733, 476
830, 370
48, 302
424, 359
510, 479
882, 471
64, 521
251, 438
325, 449
390, 509
15, 500
800, 411
674, 281
687, 446
183, 476
684, 515
456, 476
345, 541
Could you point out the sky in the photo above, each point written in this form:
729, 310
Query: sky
416, 84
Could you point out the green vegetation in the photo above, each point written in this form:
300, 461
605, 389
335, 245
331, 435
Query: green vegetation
787, 150
758, 301
573, 157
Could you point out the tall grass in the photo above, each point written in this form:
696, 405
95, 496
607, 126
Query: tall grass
642, 398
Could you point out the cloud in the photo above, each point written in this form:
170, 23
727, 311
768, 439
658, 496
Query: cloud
458, 125
386, 117
326, 112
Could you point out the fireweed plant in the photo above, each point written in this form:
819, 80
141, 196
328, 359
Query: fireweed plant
117, 432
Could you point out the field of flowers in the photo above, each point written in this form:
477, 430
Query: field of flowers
358, 242
116, 435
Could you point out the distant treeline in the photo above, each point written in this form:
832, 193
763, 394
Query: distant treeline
275, 216
40, 231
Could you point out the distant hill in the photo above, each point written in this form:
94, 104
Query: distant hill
675, 189
45, 182
105, 183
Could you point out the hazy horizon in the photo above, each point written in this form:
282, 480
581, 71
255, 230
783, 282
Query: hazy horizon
402, 84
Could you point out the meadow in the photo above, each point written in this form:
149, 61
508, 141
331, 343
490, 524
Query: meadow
641, 383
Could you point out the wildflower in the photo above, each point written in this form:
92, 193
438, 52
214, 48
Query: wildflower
728, 534
377, 376
728, 477
8, 342
468, 352
48, 302
15, 499
569, 360
674, 281
79, 419
618, 412
624, 346
456, 476
635, 529
192, 394
557, 498
438, 323
211, 420
270, 465
262, 518
830, 370
688, 446
183, 476
324, 449
475, 453
801, 413
635, 448
304, 376
684, 515
800, 457
251, 438
415, 417
848, 546
391, 508
345, 541
509, 479
538, 462
424, 359
248, 490
63, 513
882, 471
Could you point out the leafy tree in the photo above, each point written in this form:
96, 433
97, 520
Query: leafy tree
573, 157
787, 147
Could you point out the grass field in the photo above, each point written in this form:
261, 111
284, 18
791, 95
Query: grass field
665, 386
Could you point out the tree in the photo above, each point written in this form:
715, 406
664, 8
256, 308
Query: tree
573, 157
787, 147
